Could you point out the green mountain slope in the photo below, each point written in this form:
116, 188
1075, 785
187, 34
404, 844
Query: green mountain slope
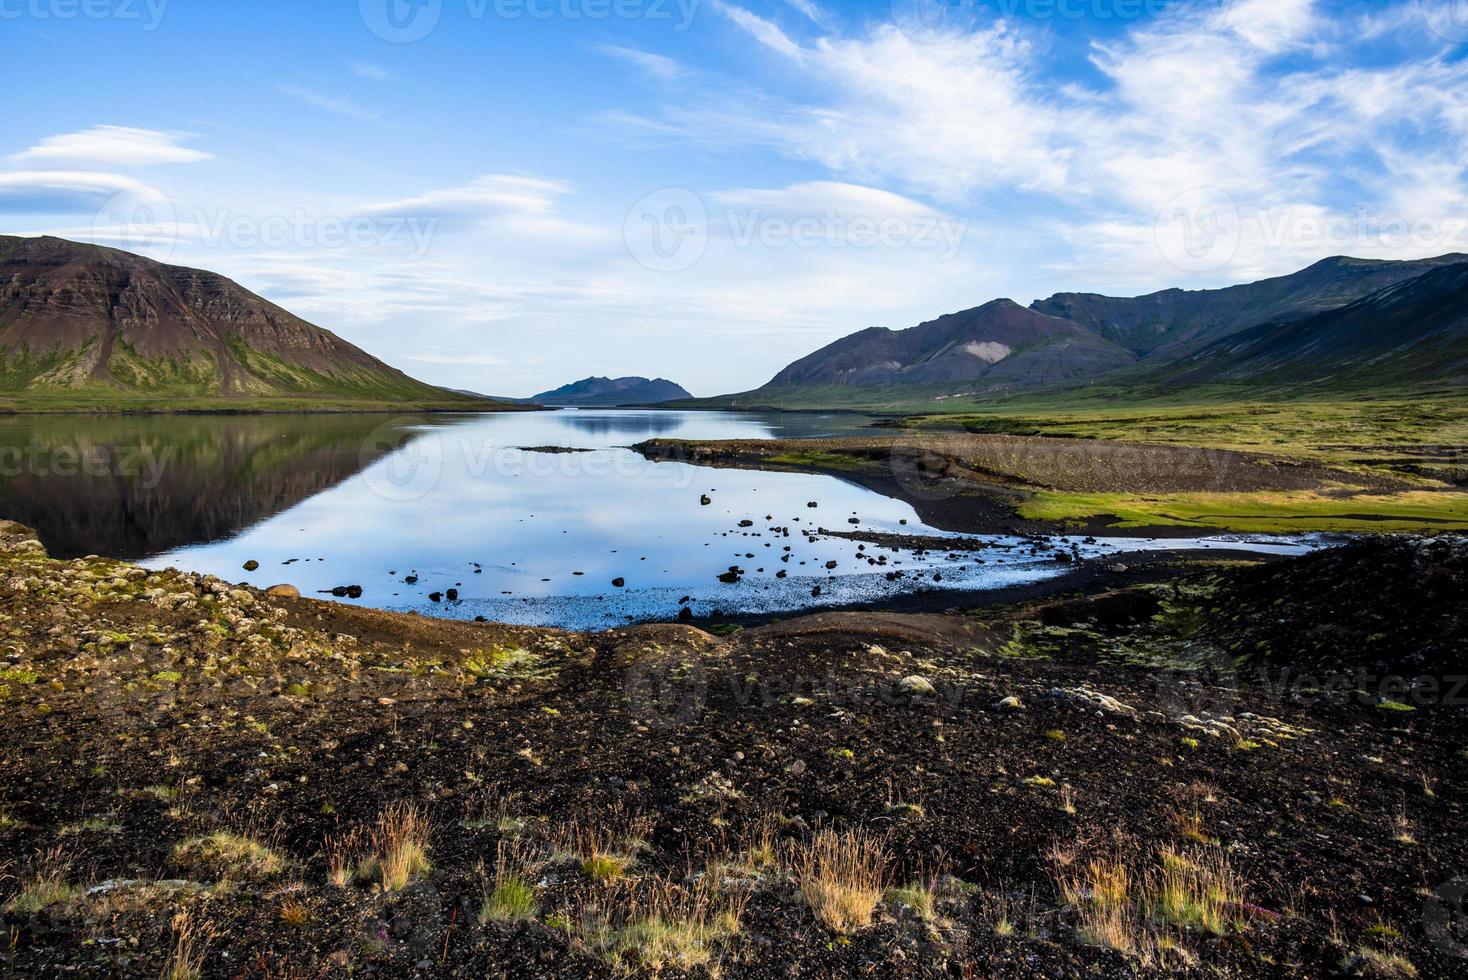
83, 326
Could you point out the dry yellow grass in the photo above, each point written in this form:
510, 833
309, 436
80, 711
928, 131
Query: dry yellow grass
229, 855
664, 925
45, 883
399, 847
842, 877
191, 941
1125, 903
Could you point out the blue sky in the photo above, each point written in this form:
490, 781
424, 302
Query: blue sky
506, 195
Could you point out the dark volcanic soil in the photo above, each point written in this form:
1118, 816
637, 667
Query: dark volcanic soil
658, 791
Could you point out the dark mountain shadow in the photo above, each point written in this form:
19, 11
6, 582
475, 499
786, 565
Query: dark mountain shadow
132, 487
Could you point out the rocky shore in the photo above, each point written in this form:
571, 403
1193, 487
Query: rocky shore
1243, 771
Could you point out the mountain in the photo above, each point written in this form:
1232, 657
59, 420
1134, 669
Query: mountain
999, 345
90, 325
1175, 321
1342, 322
611, 392
1413, 331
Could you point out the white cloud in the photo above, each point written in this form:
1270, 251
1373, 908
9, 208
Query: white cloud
760, 29
516, 205
490, 194
375, 73
57, 191
819, 196
657, 65
111, 146
1283, 109
330, 103
945, 115
809, 9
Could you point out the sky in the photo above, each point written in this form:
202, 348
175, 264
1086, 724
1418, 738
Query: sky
508, 195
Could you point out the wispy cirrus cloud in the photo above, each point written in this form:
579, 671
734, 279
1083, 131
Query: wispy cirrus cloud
336, 105
371, 72
658, 66
111, 146
1287, 108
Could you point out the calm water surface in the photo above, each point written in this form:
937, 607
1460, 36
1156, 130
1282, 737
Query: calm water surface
409, 507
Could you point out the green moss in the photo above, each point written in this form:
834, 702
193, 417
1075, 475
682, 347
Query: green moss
507, 661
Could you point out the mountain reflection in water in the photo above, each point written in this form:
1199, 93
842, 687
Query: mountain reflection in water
129, 487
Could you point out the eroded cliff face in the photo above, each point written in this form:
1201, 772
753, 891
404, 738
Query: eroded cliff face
77, 314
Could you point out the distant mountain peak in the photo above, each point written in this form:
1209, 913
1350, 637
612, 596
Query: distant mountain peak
602, 392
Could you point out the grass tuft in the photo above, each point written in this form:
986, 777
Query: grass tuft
841, 877
512, 896
45, 884
230, 855
399, 847
191, 941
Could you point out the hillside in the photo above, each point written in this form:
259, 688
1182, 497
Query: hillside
1411, 330
1171, 322
1342, 325
611, 392
998, 345
87, 326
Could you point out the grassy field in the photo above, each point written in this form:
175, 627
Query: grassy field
1379, 465
1420, 440
1264, 513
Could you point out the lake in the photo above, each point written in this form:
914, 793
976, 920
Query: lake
409, 508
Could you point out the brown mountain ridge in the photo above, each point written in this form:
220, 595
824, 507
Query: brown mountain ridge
92, 325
